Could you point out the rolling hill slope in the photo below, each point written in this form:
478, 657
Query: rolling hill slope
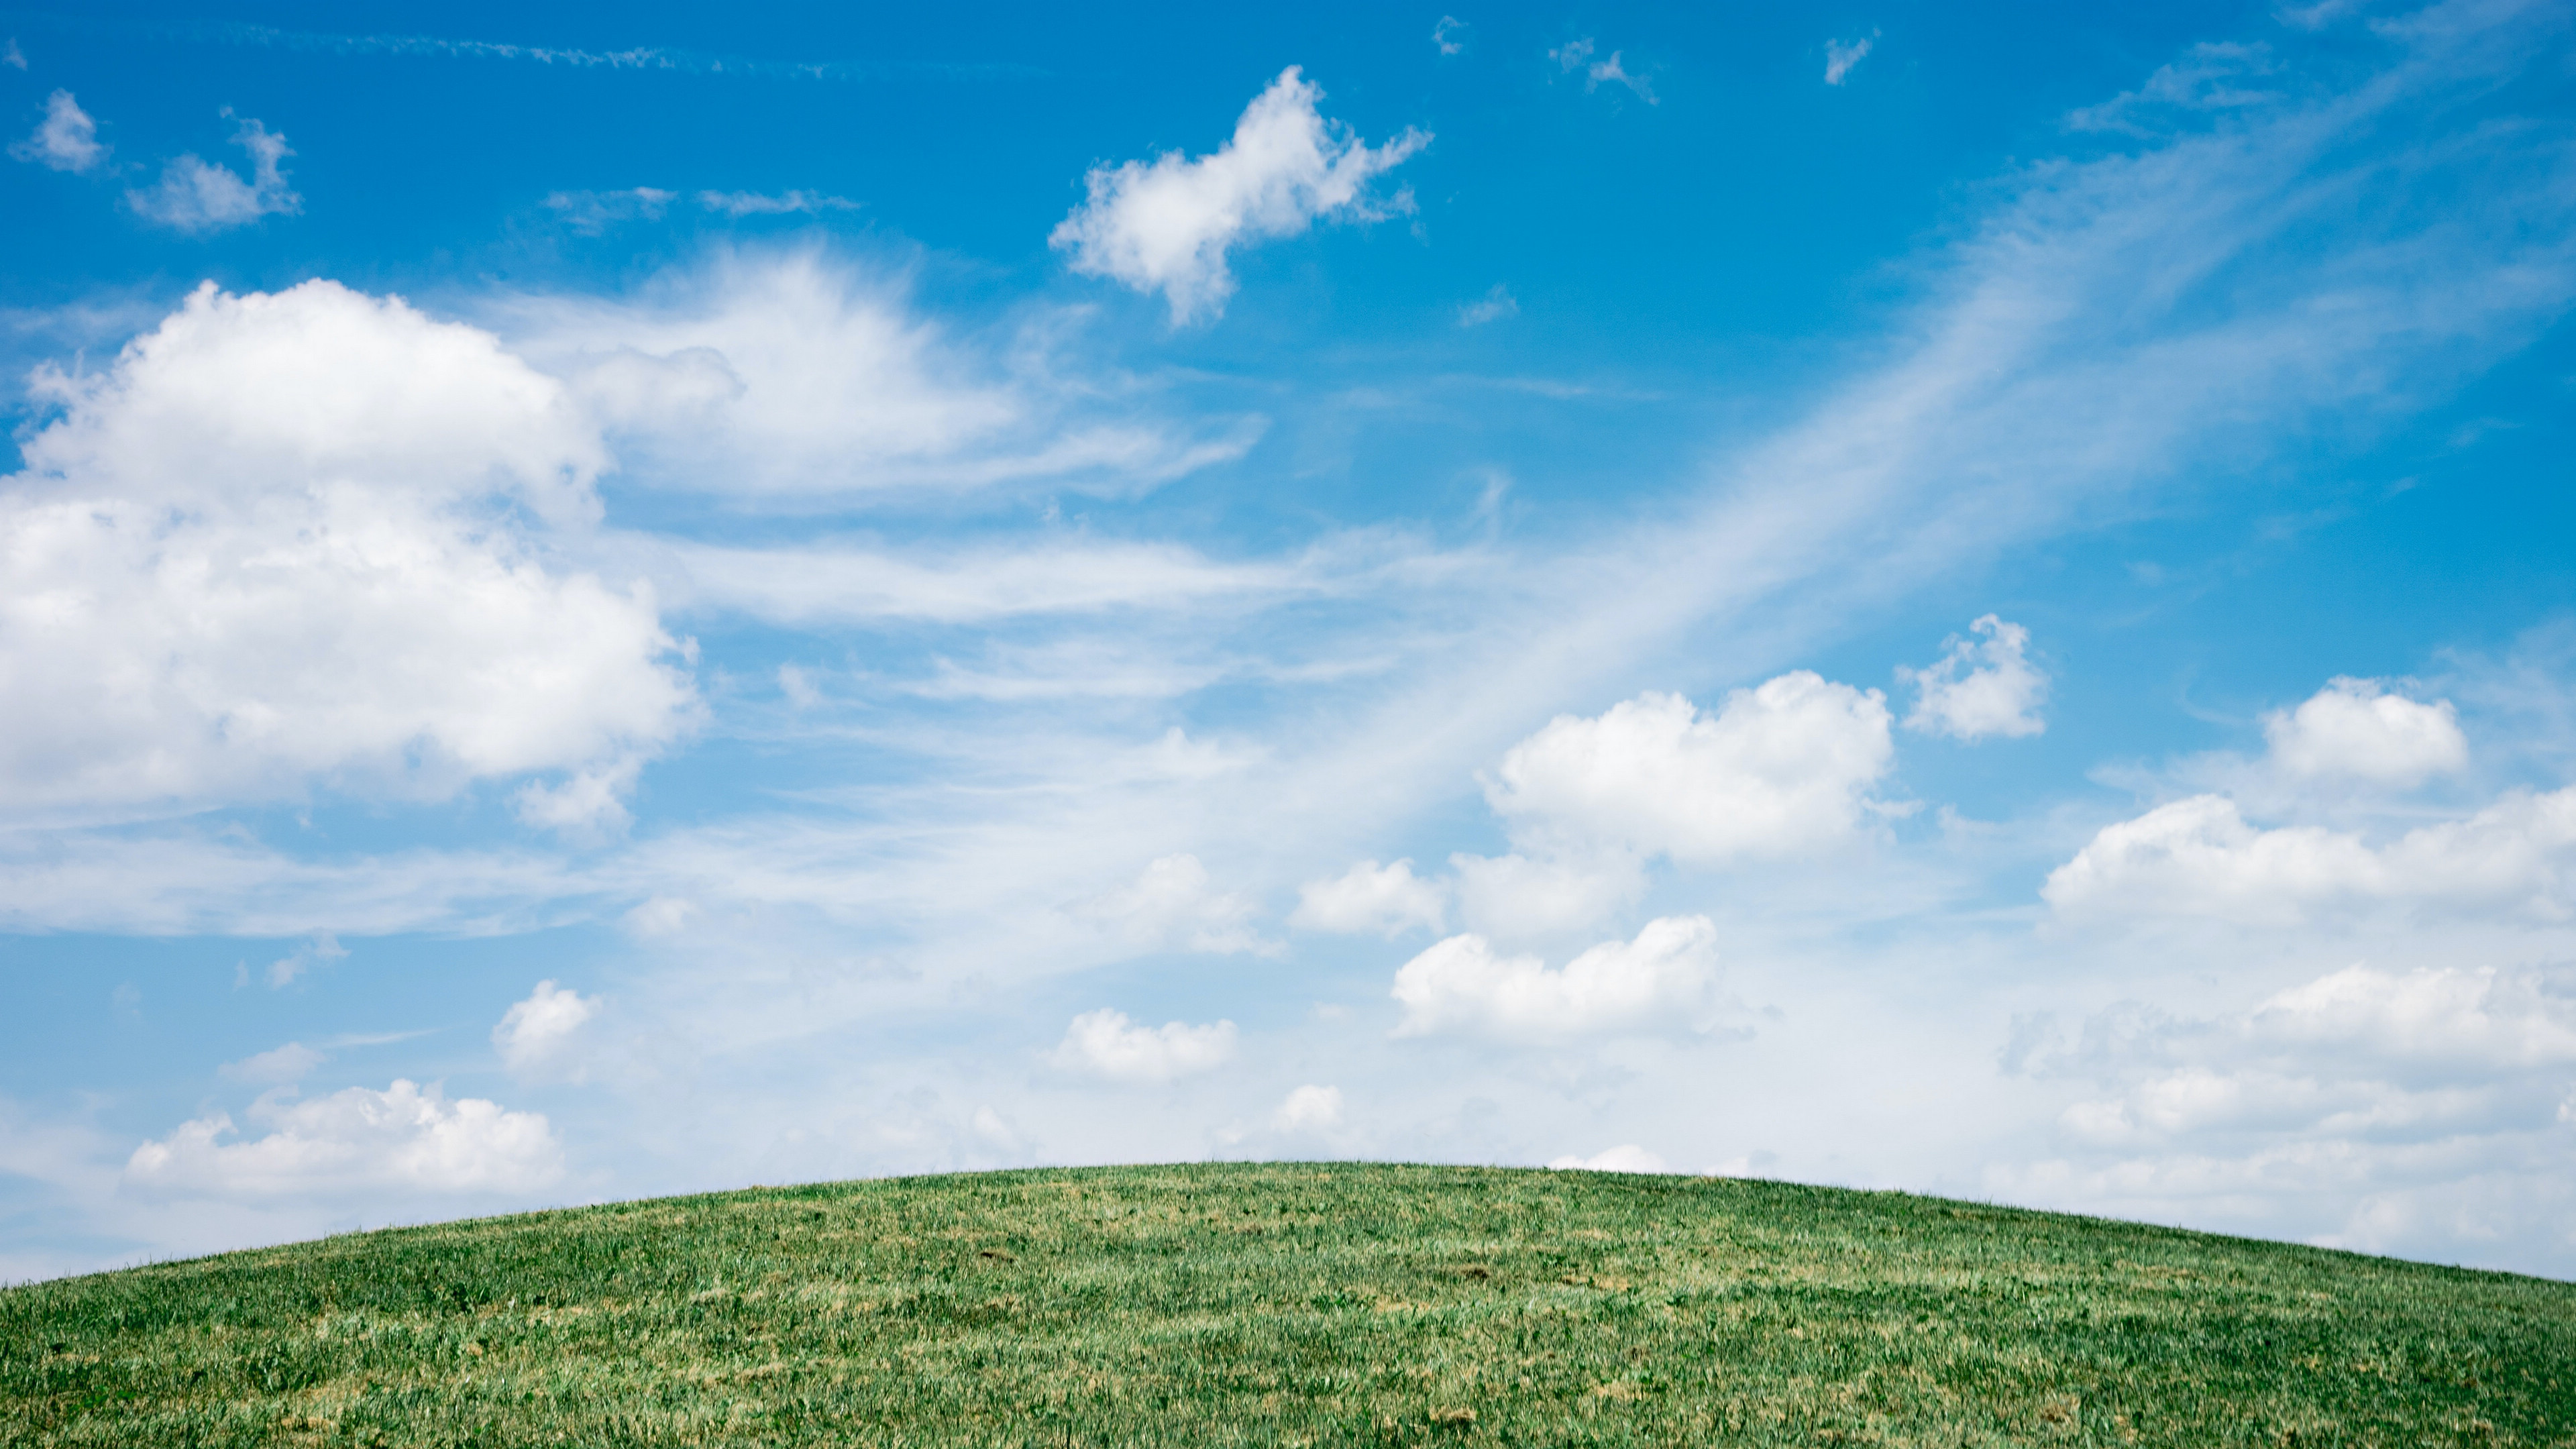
1289, 1304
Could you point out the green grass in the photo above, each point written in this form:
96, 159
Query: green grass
1285, 1305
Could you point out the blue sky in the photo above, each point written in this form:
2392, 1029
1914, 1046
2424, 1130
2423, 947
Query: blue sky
1967, 599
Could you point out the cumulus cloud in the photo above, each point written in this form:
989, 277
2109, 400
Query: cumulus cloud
538, 1033
1106, 1044
1842, 55
406, 1138
1172, 905
198, 197
1983, 686
1626, 1157
1777, 771
1665, 978
1371, 899
1577, 55
2355, 729
2200, 857
1167, 226
280, 542
66, 140
1309, 1109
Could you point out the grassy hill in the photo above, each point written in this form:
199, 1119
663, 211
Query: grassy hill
1289, 1304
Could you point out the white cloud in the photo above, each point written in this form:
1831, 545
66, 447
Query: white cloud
197, 197
1664, 979
1492, 307
2200, 857
1842, 55
1171, 905
593, 212
13, 57
787, 203
2377, 1095
1626, 1157
537, 1033
795, 379
275, 545
1445, 35
66, 140
1981, 687
1372, 899
289, 1063
1167, 226
1105, 1043
1577, 55
323, 948
404, 1138
1309, 1109
1778, 771
2354, 728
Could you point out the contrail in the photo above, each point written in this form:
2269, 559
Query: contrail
639, 58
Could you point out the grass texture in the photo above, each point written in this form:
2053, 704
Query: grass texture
1289, 1304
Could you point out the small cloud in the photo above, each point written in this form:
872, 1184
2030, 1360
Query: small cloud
587, 805
1172, 905
1370, 899
196, 197
1448, 35
67, 139
1626, 1157
13, 57
289, 1063
661, 916
1309, 1109
1842, 55
1666, 978
405, 1138
740, 204
1167, 226
323, 948
593, 212
798, 685
1105, 1043
538, 1033
1576, 55
126, 1001
1494, 306
1981, 687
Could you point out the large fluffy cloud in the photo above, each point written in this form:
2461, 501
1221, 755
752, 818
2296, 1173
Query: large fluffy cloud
1166, 226
287, 539
404, 1139
2355, 728
1665, 978
1776, 771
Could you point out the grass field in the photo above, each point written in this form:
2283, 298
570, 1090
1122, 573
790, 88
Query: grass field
1289, 1304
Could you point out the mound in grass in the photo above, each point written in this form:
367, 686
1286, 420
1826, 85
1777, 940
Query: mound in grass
1298, 1304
